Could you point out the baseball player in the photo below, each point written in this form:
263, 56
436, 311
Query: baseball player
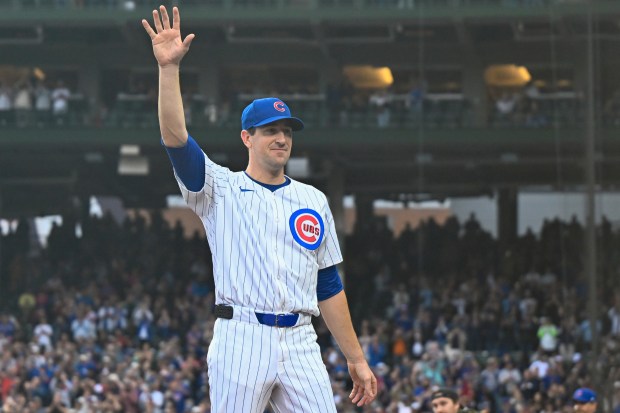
584, 400
447, 401
274, 251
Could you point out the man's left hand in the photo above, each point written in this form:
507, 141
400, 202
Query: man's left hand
364, 383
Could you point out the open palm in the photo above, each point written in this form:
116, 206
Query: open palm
168, 47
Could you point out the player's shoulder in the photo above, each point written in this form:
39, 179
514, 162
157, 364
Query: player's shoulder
307, 188
213, 164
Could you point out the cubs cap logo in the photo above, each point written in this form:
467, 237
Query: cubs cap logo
307, 228
268, 110
279, 106
584, 395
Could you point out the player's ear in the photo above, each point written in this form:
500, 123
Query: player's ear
245, 138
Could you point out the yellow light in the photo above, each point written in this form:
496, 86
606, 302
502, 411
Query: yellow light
38, 73
369, 77
507, 75
564, 83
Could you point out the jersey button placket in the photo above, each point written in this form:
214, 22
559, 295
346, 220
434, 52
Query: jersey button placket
280, 287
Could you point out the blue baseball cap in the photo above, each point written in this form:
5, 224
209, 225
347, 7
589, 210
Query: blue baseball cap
268, 110
584, 395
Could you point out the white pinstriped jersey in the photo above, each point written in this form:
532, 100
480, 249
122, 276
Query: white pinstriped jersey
267, 247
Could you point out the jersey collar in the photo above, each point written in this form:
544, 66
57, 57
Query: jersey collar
270, 187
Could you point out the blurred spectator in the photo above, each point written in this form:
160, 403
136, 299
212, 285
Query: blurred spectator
548, 336
60, 103
143, 320
211, 112
6, 105
506, 106
23, 105
8, 326
376, 351
43, 333
416, 97
82, 328
42, 103
509, 376
380, 103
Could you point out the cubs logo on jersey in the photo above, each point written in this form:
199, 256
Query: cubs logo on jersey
307, 228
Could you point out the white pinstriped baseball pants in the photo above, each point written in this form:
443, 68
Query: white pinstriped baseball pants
251, 364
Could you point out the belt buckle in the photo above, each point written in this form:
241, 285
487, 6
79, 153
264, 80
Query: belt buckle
278, 319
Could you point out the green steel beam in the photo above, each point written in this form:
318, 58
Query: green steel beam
310, 138
359, 11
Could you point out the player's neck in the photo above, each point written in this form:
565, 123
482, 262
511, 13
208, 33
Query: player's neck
265, 176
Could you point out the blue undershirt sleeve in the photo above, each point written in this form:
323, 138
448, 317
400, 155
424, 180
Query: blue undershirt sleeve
189, 164
329, 283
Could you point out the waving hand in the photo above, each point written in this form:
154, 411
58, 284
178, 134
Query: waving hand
168, 47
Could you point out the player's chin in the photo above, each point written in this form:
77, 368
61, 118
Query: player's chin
281, 158
278, 153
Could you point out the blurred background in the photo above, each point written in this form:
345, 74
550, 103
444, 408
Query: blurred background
469, 149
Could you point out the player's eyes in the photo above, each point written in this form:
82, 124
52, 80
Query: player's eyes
273, 131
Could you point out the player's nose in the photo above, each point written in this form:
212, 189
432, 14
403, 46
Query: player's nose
280, 137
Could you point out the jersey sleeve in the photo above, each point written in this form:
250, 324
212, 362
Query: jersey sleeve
200, 198
189, 165
328, 284
328, 253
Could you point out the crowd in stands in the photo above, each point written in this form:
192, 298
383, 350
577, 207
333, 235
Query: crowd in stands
529, 107
22, 105
25, 105
120, 319
43, 104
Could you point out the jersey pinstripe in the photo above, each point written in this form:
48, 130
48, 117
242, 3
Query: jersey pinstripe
259, 261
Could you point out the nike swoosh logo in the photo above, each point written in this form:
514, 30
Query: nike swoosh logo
246, 190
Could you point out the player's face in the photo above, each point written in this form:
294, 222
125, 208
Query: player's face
584, 407
444, 405
270, 146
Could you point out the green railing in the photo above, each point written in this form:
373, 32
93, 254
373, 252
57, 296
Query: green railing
434, 112
133, 4
258, 10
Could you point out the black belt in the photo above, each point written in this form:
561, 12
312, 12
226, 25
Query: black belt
272, 320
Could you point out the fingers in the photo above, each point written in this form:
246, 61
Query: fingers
372, 386
176, 18
363, 395
361, 398
364, 390
353, 391
356, 394
148, 29
370, 391
188, 40
164, 17
157, 21
367, 399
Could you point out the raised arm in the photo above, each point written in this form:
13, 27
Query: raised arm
169, 49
